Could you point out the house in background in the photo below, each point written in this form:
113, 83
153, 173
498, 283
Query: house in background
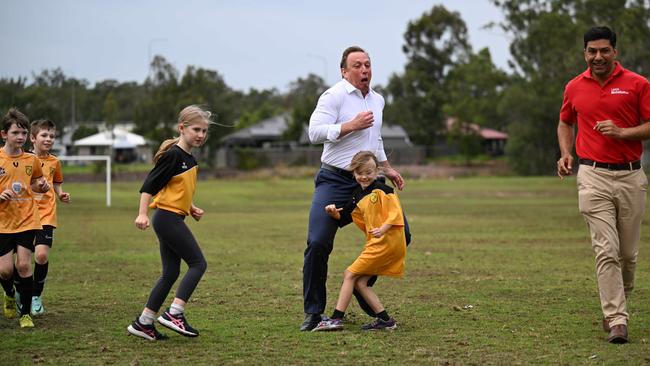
262, 134
263, 145
492, 141
124, 146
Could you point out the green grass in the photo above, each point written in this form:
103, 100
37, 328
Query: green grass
516, 249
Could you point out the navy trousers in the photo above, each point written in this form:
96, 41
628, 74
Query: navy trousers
330, 187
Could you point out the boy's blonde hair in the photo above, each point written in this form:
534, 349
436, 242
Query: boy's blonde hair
41, 124
188, 116
361, 159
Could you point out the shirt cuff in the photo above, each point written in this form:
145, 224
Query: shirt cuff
333, 133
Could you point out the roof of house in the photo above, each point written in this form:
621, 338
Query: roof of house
121, 139
486, 133
268, 129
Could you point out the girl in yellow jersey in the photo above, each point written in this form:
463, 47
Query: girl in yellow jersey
377, 211
171, 184
42, 134
20, 176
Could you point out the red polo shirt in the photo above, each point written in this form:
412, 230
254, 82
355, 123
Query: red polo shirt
624, 99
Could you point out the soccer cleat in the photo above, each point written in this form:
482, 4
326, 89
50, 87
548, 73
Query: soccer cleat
329, 324
177, 323
26, 321
146, 331
380, 324
9, 308
37, 306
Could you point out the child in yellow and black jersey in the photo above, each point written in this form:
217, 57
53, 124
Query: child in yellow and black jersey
20, 177
171, 185
42, 134
376, 210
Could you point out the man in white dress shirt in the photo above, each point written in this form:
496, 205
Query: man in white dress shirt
347, 119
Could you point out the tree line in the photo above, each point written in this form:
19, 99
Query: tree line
443, 77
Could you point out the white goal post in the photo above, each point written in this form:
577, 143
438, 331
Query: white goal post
105, 158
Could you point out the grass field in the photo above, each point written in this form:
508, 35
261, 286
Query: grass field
515, 249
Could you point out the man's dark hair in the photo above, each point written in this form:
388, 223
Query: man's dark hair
596, 33
14, 117
348, 51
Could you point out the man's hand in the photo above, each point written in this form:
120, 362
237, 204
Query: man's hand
394, 177
565, 166
362, 121
334, 212
608, 128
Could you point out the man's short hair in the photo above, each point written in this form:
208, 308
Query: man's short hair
41, 124
596, 33
348, 51
14, 117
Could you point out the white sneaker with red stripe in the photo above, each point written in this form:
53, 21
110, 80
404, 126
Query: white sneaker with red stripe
177, 323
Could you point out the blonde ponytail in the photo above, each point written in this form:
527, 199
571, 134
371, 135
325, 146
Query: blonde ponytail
164, 147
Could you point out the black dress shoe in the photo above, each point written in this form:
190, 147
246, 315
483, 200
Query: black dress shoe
618, 334
310, 322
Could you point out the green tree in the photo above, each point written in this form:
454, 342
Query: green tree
301, 99
155, 115
433, 44
258, 105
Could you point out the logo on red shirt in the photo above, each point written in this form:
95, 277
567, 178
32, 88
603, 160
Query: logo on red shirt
619, 91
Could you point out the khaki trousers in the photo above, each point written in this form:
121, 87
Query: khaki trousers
612, 203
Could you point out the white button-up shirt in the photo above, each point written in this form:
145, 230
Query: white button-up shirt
341, 103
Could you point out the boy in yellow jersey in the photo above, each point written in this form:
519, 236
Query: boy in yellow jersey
42, 134
20, 177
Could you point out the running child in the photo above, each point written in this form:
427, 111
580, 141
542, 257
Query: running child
377, 211
171, 184
42, 134
20, 177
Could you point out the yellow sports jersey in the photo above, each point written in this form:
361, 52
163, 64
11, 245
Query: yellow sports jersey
20, 213
374, 206
51, 167
172, 181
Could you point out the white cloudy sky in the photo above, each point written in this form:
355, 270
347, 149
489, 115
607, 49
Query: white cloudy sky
252, 43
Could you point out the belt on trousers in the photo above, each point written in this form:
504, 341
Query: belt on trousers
633, 165
337, 170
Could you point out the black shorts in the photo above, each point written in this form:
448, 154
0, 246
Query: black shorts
44, 236
9, 242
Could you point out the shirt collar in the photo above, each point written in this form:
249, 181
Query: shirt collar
349, 88
618, 69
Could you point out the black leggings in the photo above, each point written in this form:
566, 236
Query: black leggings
176, 243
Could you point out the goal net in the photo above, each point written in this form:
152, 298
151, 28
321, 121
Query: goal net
105, 158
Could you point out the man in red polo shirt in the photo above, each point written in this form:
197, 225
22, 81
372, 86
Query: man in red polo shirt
611, 106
